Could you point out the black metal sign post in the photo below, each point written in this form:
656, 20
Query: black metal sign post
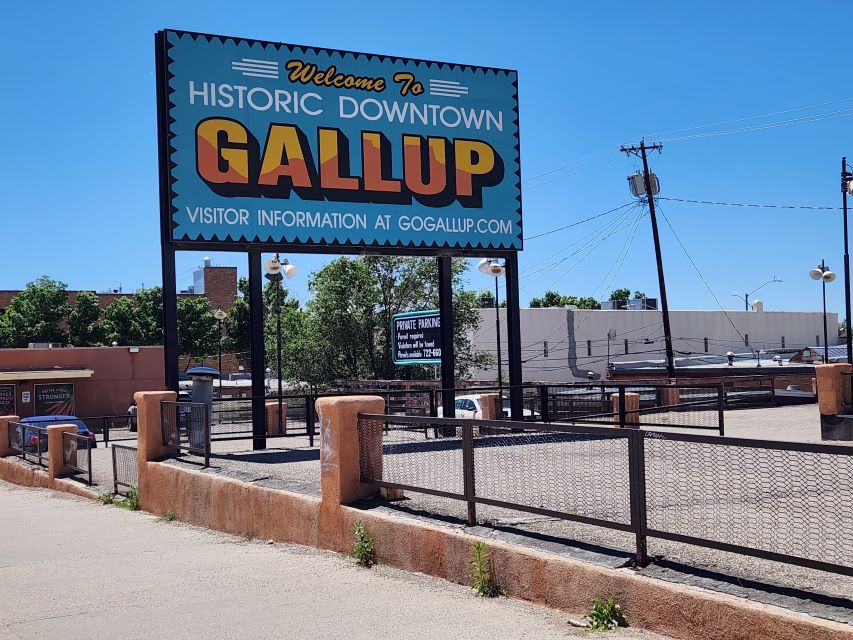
167, 248
448, 357
258, 351
513, 321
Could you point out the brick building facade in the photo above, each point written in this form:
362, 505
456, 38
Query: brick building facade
219, 286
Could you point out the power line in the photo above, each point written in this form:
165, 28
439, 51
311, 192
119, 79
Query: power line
758, 206
841, 113
763, 115
574, 224
701, 277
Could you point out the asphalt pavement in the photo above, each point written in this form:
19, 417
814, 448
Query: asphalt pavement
74, 569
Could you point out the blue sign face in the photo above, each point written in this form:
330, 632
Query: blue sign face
291, 145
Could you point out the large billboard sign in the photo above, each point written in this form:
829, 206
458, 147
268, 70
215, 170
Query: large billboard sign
416, 337
277, 144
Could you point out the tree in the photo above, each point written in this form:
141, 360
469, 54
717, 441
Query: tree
342, 320
198, 330
620, 294
149, 309
486, 299
639, 295
553, 299
238, 321
35, 314
588, 303
121, 323
83, 330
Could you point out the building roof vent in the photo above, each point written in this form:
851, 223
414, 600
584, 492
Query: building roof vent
758, 306
206, 261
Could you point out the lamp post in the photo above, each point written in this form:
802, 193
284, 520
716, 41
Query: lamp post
745, 297
277, 270
824, 274
220, 315
491, 267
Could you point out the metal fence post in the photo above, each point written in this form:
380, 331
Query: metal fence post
89, 459
433, 410
468, 472
623, 414
207, 436
106, 431
543, 403
637, 475
721, 403
115, 472
309, 418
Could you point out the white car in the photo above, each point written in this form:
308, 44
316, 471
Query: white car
471, 407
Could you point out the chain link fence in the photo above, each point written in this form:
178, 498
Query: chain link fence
77, 454
783, 501
124, 468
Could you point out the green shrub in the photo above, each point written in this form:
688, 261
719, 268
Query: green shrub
483, 573
606, 615
248, 536
169, 516
106, 498
131, 500
362, 548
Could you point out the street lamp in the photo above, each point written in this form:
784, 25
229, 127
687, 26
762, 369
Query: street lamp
277, 270
220, 315
491, 267
824, 274
745, 297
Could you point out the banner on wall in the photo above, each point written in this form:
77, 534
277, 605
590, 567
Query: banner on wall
54, 399
274, 143
7, 400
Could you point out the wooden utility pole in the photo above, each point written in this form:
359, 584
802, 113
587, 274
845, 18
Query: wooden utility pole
650, 198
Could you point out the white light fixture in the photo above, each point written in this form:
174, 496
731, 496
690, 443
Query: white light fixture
816, 273
829, 276
289, 269
219, 314
850, 186
490, 267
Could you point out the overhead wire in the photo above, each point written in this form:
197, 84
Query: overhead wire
756, 205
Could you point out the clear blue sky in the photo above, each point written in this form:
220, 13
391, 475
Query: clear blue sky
80, 172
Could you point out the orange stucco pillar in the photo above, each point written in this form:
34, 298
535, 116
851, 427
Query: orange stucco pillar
830, 387
340, 476
632, 409
5, 449
55, 465
272, 418
149, 431
489, 402
670, 396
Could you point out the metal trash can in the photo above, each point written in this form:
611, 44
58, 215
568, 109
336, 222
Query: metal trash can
202, 378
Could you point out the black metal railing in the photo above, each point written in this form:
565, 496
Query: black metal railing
124, 467
30, 442
186, 426
112, 428
15, 437
783, 501
77, 454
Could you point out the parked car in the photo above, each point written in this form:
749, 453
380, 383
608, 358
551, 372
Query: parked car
471, 407
46, 421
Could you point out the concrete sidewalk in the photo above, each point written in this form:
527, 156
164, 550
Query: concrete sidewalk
74, 569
